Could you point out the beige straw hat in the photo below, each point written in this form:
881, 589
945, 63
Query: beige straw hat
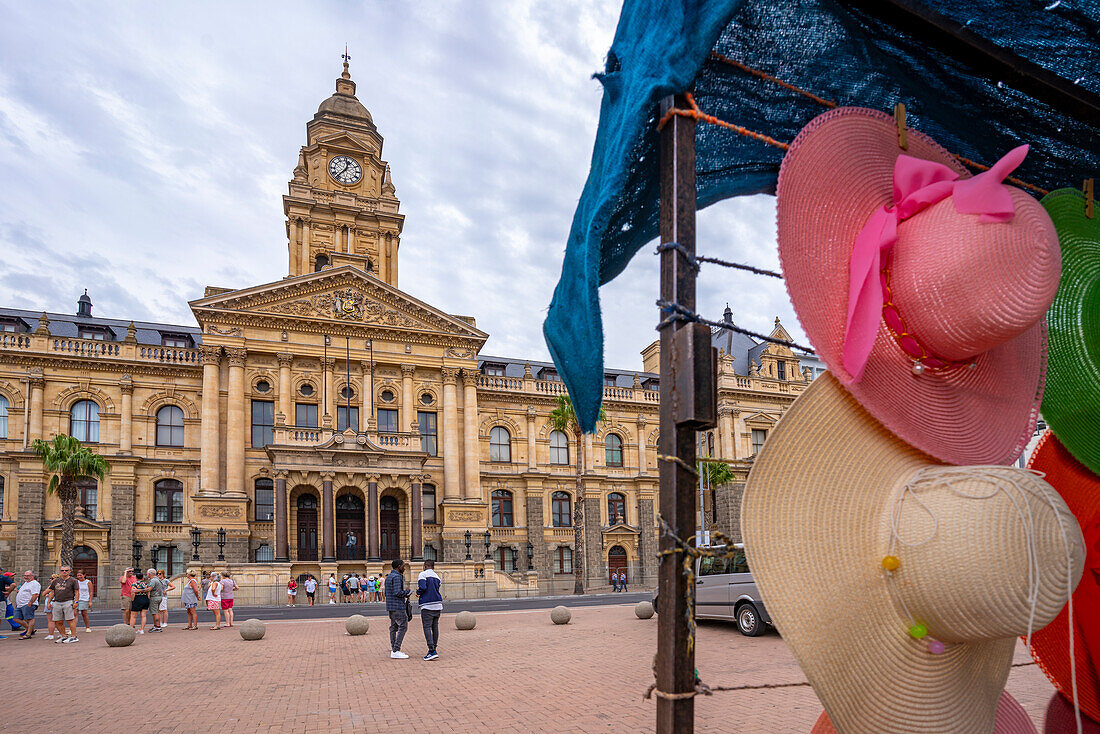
927, 647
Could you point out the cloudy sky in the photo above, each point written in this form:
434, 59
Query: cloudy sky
144, 149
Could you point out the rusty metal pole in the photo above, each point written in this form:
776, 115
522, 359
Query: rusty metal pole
675, 664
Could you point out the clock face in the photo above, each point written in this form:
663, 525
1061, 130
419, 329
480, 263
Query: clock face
345, 170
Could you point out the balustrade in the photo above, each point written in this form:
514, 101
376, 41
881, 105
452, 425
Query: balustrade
169, 355
86, 347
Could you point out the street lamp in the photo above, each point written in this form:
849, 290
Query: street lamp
137, 553
153, 549
221, 544
530, 556
468, 545
196, 535
515, 558
488, 556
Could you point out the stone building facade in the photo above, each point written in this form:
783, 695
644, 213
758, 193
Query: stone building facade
329, 421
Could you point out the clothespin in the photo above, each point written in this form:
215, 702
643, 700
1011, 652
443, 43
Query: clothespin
903, 131
1089, 197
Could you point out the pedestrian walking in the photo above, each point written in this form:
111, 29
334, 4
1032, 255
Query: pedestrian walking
311, 588
190, 597
125, 583
47, 607
381, 586
214, 599
614, 580
157, 587
396, 599
62, 593
622, 580
85, 592
228, 587
332, 588
140, 603
26, 603
430, 594
291, 592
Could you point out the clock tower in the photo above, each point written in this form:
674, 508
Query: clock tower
341, 207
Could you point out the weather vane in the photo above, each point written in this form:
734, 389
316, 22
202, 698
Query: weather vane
345, 56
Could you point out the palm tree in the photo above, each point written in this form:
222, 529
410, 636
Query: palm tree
715, 473
564, 419
68, 461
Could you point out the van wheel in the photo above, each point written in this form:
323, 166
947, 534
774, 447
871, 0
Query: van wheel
748, 620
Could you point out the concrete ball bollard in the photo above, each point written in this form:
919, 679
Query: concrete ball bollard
643, 609
357, 624
253, 629
560, 615
120, 635
465, 621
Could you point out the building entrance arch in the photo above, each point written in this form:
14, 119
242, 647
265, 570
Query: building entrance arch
87, 560
389, 523
351, 528
616, 561
307, 527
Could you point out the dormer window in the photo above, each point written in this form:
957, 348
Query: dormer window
609, 380
14, 325
549, 374
493, 370
176, 340
98, 333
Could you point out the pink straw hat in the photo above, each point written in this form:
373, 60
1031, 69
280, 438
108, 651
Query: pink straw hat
923, 289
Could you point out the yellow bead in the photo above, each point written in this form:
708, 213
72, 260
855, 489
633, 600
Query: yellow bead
917, 631
891, 563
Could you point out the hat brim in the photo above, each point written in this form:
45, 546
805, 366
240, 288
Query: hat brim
1080, 489
1071, 403
815, 513
838, 171
1011, 719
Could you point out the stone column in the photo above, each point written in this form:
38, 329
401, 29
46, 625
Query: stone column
285, 405
28, 529
408, 414
34, 409
306, 265
235, 439
282, 547
330, 399
725, 433
120, 543
417, 518
328, 531
451, 489
589, 459
532, 458
372, 518
351, 238
643, 467
209, 454
126, 431
470, 438
366, 399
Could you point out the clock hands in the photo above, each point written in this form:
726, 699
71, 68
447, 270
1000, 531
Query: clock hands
340, 170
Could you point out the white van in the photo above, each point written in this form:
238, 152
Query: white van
724, 589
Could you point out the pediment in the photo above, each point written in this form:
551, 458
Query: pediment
345, 295
344, 139
761, 418
80, 522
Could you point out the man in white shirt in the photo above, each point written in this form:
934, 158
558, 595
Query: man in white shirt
429, 592
26, 602
311, 589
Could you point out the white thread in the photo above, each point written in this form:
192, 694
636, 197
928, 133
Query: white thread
994, 476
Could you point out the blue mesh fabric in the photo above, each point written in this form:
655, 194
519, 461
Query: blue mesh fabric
663, 46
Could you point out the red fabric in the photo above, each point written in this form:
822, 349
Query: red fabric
1060, 718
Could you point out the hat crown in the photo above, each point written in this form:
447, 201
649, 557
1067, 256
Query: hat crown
966, 574
964, 286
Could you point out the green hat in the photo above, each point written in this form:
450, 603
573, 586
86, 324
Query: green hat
1071, 402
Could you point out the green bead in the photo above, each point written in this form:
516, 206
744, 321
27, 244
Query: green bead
917, 631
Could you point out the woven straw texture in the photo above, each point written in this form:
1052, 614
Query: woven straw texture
816, 523
838, 172
1080, 489
1060, 719
1071, 404
1010, 719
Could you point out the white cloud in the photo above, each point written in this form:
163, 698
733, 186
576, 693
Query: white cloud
144, 150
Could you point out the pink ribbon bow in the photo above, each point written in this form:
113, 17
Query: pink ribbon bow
918, 184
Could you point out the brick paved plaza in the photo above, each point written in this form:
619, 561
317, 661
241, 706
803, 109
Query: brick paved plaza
516, 673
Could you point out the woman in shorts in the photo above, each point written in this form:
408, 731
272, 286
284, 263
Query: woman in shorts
190, 598
332, 588
140, 603
85, 592
291, 592
214, 599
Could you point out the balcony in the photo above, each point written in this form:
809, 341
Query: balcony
553, 388
95, 349
313, 436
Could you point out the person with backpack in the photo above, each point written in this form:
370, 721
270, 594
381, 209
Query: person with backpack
396, 605
430, 594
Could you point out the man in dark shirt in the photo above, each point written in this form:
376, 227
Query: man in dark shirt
63, 590
396, 594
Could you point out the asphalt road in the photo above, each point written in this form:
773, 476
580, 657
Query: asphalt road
111, 615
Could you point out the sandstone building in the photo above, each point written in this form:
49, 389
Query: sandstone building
328, 421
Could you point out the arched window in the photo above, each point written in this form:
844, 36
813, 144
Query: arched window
307, 502
616, 508
559, 448
561, 505
500, 444
265, 553
502, 509
321, 261
84, 421
265, 500
168, 501
430, 553
170, 426
3, 417
613, 449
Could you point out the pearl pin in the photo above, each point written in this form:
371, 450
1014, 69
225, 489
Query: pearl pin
918, 368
